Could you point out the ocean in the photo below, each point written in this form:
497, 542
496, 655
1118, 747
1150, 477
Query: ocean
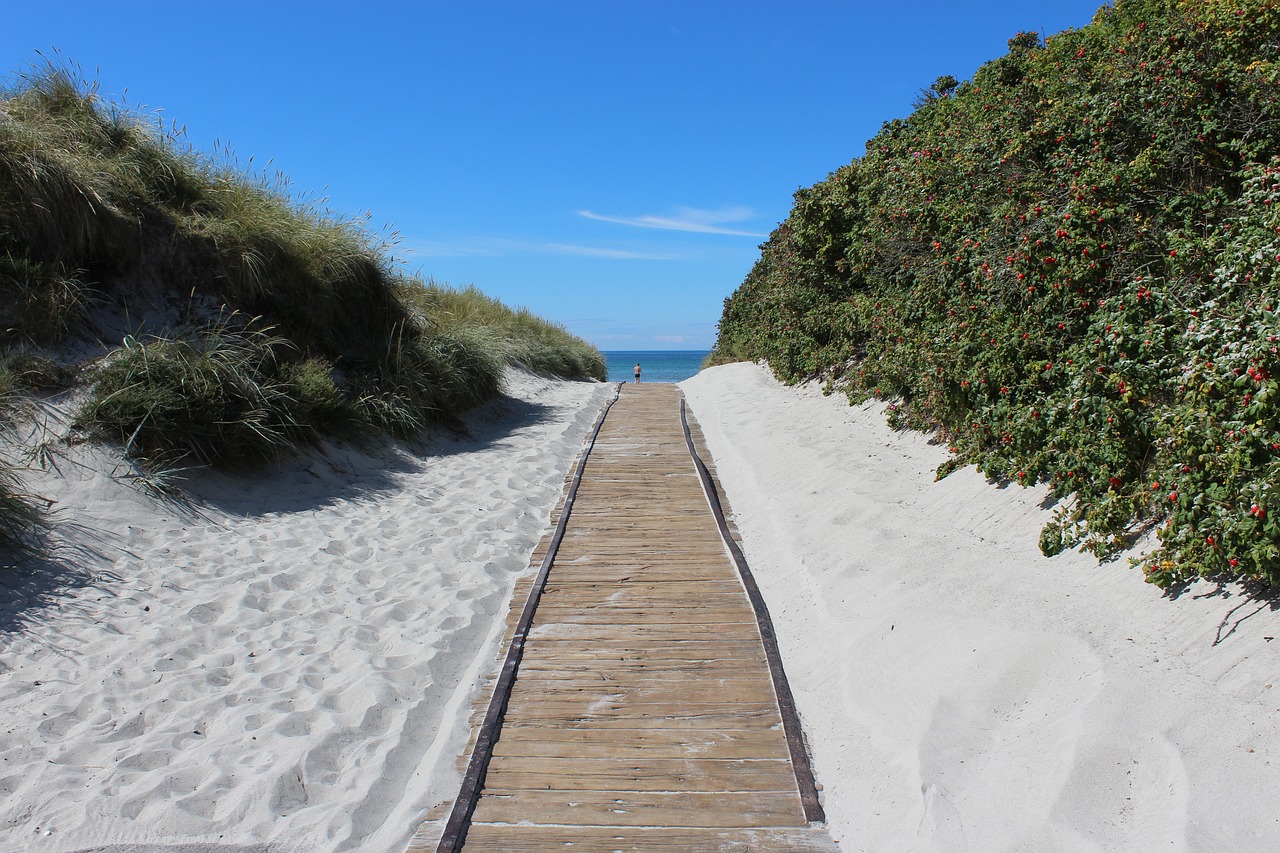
655, 365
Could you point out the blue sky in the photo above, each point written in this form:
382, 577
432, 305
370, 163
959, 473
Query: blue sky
613, 166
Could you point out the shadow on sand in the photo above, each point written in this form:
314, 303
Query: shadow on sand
72, 556
38, 580
334, 471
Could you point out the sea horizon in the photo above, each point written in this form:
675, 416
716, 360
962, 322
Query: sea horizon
655, 365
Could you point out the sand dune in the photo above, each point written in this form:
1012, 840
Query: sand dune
286, 664
960, 691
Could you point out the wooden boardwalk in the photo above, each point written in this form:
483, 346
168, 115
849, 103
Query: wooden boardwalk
644, 716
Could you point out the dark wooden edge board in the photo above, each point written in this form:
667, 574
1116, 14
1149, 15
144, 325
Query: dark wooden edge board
786, 704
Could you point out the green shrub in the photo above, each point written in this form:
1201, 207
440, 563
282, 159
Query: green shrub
1069, 268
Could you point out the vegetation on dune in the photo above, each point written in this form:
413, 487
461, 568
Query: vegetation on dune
279, 322
21, 514
1069, 268
519, 336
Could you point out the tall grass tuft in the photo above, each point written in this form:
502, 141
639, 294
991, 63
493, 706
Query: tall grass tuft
21, 520
40, 303
218, 394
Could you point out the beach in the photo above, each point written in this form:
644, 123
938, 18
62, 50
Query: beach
961, 692
288, 661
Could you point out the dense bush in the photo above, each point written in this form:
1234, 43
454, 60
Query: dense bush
1069, 267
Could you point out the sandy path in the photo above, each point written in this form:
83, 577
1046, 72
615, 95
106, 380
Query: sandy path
960, 691
289, 668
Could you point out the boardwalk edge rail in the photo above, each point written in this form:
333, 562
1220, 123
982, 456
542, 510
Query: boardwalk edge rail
455, 830
786, 703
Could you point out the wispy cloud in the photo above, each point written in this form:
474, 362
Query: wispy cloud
686, 219
496, 247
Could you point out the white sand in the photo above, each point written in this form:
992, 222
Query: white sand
961, 692
287, 666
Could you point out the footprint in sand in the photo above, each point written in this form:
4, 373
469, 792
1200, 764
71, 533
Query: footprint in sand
337, 547
286, 581
296, 724
145, 762
56, 727
207, 613
198, 804
218, 678
274, 680
135, 726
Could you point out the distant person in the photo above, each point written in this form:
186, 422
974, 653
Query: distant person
636, 371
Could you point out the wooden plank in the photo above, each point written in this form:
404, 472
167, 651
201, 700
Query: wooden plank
648, 717
642, 774
631, 689
667, 632
642, 808
675, 595
622, 615
640, 585
574, 743
498, 838
651, 644
579, 665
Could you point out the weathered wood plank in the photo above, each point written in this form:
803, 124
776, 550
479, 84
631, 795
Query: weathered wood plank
648, 717
622, 615
578, 665
661, 633
573, 743
641, 774
497, 838
630, 689
644, 808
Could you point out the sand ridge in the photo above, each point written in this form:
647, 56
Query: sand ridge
287, 664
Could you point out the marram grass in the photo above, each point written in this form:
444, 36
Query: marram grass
298, 323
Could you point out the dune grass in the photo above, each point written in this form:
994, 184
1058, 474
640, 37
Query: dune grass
21, 514
518, 336
21, 520
298, 322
